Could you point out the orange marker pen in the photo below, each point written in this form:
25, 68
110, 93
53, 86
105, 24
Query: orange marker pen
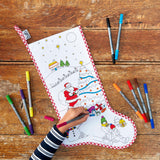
119, 90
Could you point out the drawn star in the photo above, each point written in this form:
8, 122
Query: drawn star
57, 46
81, 62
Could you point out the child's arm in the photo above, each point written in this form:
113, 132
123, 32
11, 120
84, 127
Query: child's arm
55, 137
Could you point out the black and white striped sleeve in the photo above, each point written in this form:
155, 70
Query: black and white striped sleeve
47, 148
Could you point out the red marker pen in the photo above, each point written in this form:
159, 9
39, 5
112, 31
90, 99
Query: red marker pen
136, 99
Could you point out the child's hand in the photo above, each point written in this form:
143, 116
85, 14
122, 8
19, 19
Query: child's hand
73, 113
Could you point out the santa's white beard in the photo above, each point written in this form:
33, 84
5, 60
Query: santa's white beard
71, 89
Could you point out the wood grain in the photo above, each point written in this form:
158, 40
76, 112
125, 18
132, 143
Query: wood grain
142, 14
14, 75
138, 57
136, 45
141, 149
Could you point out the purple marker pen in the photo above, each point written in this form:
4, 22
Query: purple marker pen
25, 107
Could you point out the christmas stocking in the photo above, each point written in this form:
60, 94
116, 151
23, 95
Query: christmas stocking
67, 70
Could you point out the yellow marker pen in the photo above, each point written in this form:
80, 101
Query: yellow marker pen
29, 94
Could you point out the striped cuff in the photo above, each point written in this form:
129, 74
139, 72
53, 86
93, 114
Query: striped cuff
47, 148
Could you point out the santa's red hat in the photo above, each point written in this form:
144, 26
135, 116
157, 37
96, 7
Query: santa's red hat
67, 84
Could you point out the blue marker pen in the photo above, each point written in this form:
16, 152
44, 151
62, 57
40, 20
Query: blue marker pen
148, 103
118, 38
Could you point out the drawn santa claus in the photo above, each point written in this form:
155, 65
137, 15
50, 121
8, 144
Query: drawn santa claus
71, 94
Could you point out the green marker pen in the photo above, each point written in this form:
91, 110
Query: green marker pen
12, 105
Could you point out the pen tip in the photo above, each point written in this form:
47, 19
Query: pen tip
136, 82
108, 22
113, 58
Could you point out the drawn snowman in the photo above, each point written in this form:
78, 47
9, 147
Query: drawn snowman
74, 134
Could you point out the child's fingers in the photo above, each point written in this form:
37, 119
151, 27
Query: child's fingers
85, 118
82, 119
79, 121
82, 110
86, 112
79, 110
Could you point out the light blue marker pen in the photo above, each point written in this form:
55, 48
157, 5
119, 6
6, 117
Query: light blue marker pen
148, 103
118, 38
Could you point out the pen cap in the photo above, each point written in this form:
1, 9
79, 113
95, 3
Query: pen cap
129, 85
152, 123
49, 118
136, 82
9, 99
108, 22
144, 117
139, 115
145, 88
27, 76
61, 125
116, 87
121, 19
31, 111
22, 94
27, 131
31, 129
116, 54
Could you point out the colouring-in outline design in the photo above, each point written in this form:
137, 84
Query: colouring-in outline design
123, 116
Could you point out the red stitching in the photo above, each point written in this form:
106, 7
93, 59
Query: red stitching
18, 30
129, 119
56, 110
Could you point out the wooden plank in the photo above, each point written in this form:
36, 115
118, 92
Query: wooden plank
146, 147
135, 45
89, 14
13, 78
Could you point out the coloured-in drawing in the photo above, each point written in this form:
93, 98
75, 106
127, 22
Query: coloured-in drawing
100, 107
67, 64
68, 95
71, 94
62, 64
120, 122
90, 92
112, 134
74, 134
67, 70
87, 93
96, 110
54, 65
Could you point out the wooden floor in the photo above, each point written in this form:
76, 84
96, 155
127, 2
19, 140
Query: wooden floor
138, 57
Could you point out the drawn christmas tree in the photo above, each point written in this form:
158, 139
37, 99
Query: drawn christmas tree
61, 63
67, 63
64, 64
90, 92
